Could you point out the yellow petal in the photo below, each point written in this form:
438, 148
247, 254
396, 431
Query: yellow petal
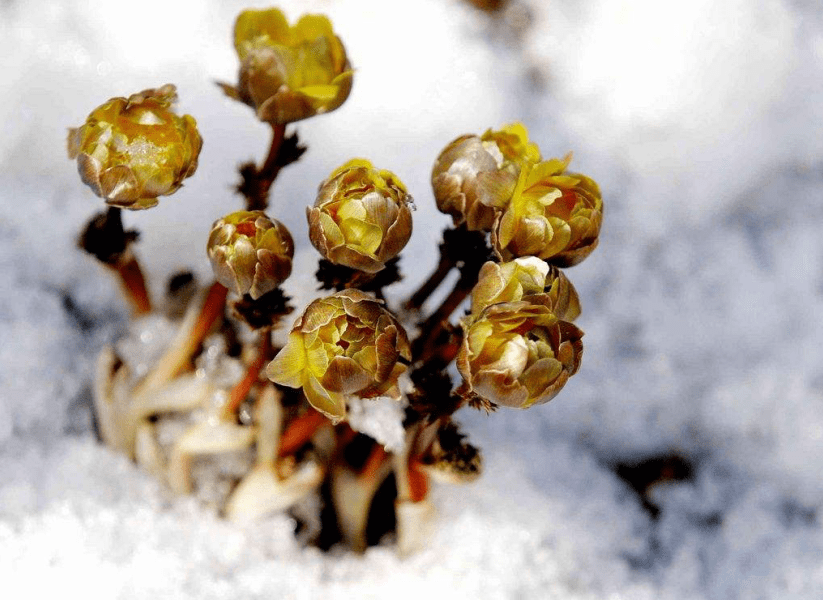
320, 92
310, 27
361, 235
251, 24
506, 228
331, 404
287, 367
334, 237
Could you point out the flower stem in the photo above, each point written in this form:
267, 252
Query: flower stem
418, 482
272, 166
467, 250
376, 458
432, 283
105, 238
460, 248
243, 387
447, 262
300, 431
258, 181
428, 343
133, 283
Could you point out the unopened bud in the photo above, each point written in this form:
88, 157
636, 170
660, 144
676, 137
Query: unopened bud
361, 218
475, 173
131, 150
250, 253
527, 278
552, 214
289, 73
518, 354
344, 344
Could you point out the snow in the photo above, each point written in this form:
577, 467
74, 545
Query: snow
702, 307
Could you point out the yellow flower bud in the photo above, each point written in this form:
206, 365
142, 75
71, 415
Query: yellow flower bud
361, 218
473, 171
250, 253
518, 354
527, 278
344, 344
289, 73
552, 214
131, 150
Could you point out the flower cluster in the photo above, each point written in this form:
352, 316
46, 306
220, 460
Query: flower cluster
518, 354
498, 182
519, 345
473, 171
298, 407
529, 279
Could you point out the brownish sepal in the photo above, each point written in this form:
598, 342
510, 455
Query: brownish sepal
256, 181
105, 238
475, 401
180, 291
452, 457
338, 277
438, 343
266, 311
460, 248
432, 395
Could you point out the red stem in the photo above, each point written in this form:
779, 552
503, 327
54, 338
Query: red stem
243, 387
134, 284
418, 482
300, 431
213, 307
376, 458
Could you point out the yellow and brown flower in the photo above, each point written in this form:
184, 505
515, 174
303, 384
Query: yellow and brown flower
475, 173
289, 73
361, 218
551, 214
250, 253
131, 150
527, 278
345, 344
518, 354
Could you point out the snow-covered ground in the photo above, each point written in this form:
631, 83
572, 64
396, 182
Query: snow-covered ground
703, 306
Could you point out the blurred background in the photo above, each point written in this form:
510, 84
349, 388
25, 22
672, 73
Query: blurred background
683, 461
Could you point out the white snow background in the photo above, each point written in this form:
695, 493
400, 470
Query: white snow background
703, 306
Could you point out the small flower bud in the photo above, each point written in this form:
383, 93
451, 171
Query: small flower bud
527, 278
361, 218
131, 150
250, 253
344, 344
518, 354
289, 73
552, 214
473, 171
